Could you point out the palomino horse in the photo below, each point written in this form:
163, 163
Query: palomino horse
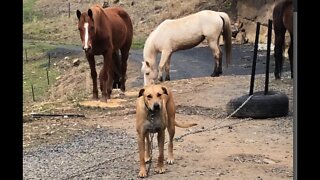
185, 33
105, 31
282, 21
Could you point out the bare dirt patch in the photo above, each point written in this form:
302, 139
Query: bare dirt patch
246, 148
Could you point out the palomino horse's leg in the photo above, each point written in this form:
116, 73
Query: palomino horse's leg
167, 68
165, 55
108, 76
124, 59
92, 64
217, 54
290, 52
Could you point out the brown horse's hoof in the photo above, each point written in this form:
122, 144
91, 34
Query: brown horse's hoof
104, 100
95, 98
214, 74
160, 79
277, 76
123, 88
167, 78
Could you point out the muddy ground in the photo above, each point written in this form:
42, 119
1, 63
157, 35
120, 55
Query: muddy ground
103, 145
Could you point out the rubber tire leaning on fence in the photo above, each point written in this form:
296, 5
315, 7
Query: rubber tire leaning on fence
274, 104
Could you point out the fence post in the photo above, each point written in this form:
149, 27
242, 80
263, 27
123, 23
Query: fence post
48, 76
32, 92
49, 61
25, 51
69, 9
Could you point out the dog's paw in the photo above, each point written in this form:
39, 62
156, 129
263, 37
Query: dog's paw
170, 161
142, 173
147, 159
160, 170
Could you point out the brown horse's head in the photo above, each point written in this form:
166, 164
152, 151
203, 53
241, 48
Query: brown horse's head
86, 28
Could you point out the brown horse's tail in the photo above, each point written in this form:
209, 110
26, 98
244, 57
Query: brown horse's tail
182, 125
226, 33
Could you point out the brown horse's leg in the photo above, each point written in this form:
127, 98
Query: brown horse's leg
165, 55
278, 49
108, 76
217, 54
116, 70
290, 52
124, 59
92, 64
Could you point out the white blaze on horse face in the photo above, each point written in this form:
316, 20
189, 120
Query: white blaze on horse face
86, 35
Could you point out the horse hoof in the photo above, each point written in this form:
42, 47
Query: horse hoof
160, 79
95, 98
215, 75
167, 79
104, 100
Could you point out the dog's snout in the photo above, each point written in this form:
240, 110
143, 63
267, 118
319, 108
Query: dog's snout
156, 106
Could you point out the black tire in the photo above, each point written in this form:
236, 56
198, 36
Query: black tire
274, 104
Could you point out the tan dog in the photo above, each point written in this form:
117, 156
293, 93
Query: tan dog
155, 111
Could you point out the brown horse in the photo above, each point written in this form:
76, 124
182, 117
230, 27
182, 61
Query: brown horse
105, 31
282, 21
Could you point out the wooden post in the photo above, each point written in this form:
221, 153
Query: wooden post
69, 9
25, 51
48, 76
32, 92
49, 61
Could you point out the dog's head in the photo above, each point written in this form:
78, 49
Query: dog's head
153, 96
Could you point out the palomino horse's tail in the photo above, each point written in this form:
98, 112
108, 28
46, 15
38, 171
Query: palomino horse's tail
226, 33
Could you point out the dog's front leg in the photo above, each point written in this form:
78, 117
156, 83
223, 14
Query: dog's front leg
147, 157
141, 146
160, 167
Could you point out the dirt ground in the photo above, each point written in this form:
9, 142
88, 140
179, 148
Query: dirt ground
234, 149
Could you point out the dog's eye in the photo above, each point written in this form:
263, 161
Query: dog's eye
158, 95
147, 74
149, 96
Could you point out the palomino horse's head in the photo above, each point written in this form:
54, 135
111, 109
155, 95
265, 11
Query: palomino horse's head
86, 29
236, 28
150, 73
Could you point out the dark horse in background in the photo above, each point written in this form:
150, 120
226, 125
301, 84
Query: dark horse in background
282, 21
106, 31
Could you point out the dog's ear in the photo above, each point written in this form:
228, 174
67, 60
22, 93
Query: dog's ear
141, 92
165, 91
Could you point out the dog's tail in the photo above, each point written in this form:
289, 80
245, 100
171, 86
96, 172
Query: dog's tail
183, 125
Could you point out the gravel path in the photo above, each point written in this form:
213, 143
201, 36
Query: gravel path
77, 159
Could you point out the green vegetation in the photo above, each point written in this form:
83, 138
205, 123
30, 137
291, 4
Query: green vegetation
137, 44
35, 69
28, 11
35, 73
